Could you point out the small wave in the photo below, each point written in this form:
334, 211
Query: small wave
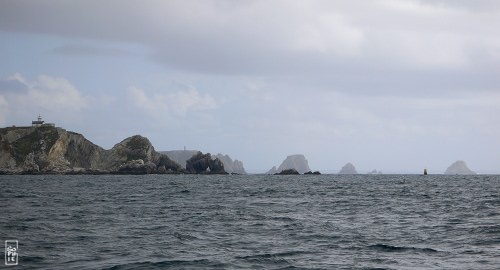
390, 248
30, 259
184, 236
488, 229
272, 256
189, 264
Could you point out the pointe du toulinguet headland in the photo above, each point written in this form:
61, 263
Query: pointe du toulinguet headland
44, 148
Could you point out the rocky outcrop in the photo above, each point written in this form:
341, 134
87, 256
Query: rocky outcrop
296, 162
374, 171
459, 167
273, 170
180, 156
235, 167
348, 169
47, 149
288, 172
205, 164
315, 172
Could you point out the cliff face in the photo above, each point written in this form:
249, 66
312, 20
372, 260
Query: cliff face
46, 149
49, 149
459, 167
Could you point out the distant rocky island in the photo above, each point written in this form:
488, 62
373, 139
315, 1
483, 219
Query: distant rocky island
348, 169
459, 167
230, 166
46, 149
293, 162
374, 171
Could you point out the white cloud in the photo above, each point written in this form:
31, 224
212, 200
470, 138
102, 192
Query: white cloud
176, 103
48, 93
56, 93
22, 99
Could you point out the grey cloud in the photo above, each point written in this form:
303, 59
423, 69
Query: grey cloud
360, 46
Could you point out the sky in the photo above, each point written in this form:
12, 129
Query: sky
392, 85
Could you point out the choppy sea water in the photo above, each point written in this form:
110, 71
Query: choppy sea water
253, 222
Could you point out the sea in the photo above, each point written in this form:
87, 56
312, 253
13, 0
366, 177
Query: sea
252, 221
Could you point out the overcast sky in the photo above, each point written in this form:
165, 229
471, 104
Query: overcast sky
392, 85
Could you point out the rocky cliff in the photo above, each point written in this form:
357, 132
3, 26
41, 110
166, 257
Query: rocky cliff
348, 169
48, 149
459, 167
205, 164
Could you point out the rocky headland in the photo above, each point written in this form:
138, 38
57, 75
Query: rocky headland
52, 150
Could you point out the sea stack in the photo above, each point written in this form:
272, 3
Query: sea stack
348, 169
459, 167
296, 162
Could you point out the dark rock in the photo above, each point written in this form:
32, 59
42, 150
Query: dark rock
204, 164
288, 172
315, 172
180, 156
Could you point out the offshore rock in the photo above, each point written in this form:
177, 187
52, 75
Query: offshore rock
374, 171
230, 166
459, 167
205, 164
296, 162
315, 172
348, 169
181, 157
288, 172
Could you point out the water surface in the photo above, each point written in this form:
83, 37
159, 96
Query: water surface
253, 222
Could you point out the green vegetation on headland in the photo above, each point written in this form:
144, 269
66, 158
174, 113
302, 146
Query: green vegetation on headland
51, 150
